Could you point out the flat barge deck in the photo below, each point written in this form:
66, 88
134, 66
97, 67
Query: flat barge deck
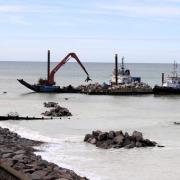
93, 89
116, 90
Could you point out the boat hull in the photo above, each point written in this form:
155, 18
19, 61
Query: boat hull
40, 88
165, 90
48, 89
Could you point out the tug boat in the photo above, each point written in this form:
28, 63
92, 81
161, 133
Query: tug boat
170, 85
123, 76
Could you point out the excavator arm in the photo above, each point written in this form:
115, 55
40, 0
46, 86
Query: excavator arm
64, 61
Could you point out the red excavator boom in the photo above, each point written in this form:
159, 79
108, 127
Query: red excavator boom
50, 81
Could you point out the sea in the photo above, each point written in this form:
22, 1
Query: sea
152, 115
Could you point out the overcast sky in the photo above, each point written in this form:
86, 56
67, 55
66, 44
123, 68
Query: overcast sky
141, 30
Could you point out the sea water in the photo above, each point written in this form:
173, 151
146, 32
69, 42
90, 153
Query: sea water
152, 115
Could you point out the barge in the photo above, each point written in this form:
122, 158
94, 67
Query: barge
122, 83
48, 85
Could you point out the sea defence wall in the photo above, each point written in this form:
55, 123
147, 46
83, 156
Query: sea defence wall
8, 173
19, 162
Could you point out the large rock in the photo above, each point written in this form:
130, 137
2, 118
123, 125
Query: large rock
8, 155
104, 144
119, 139
137, 136
131, 145
147, 142
57, 111
177, 123
93, 141
117, 133
116, 139
103, 136
40, 173
126, 135
87, 137
96, 133
111, 134
139, 144
47, 113
126, 141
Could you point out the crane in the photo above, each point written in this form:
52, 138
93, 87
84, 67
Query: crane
50, 79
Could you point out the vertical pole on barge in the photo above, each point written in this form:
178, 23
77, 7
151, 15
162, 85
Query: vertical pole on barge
162, 79
116, 68
48, 65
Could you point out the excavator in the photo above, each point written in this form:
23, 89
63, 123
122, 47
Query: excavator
50, 80
48, 85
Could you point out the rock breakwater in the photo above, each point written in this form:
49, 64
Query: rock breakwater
18, 153
118, 139
56, 110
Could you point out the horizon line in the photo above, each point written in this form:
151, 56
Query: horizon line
92, 62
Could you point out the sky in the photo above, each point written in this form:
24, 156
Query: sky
144, 31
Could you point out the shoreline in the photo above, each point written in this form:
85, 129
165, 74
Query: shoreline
17, 154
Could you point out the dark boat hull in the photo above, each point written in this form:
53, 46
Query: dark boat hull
165, 90
49, 89
40, 88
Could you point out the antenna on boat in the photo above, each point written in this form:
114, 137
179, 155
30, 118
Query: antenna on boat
122, 65
175, 65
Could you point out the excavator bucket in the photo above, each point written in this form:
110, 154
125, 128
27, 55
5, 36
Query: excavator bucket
88, 79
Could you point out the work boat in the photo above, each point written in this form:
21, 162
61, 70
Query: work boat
123, 76
48, 85
170, 85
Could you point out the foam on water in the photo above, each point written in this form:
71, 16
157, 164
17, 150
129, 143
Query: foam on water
27, 133
50, 151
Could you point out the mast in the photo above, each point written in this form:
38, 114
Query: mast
116, 68
48, 65
162, 79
